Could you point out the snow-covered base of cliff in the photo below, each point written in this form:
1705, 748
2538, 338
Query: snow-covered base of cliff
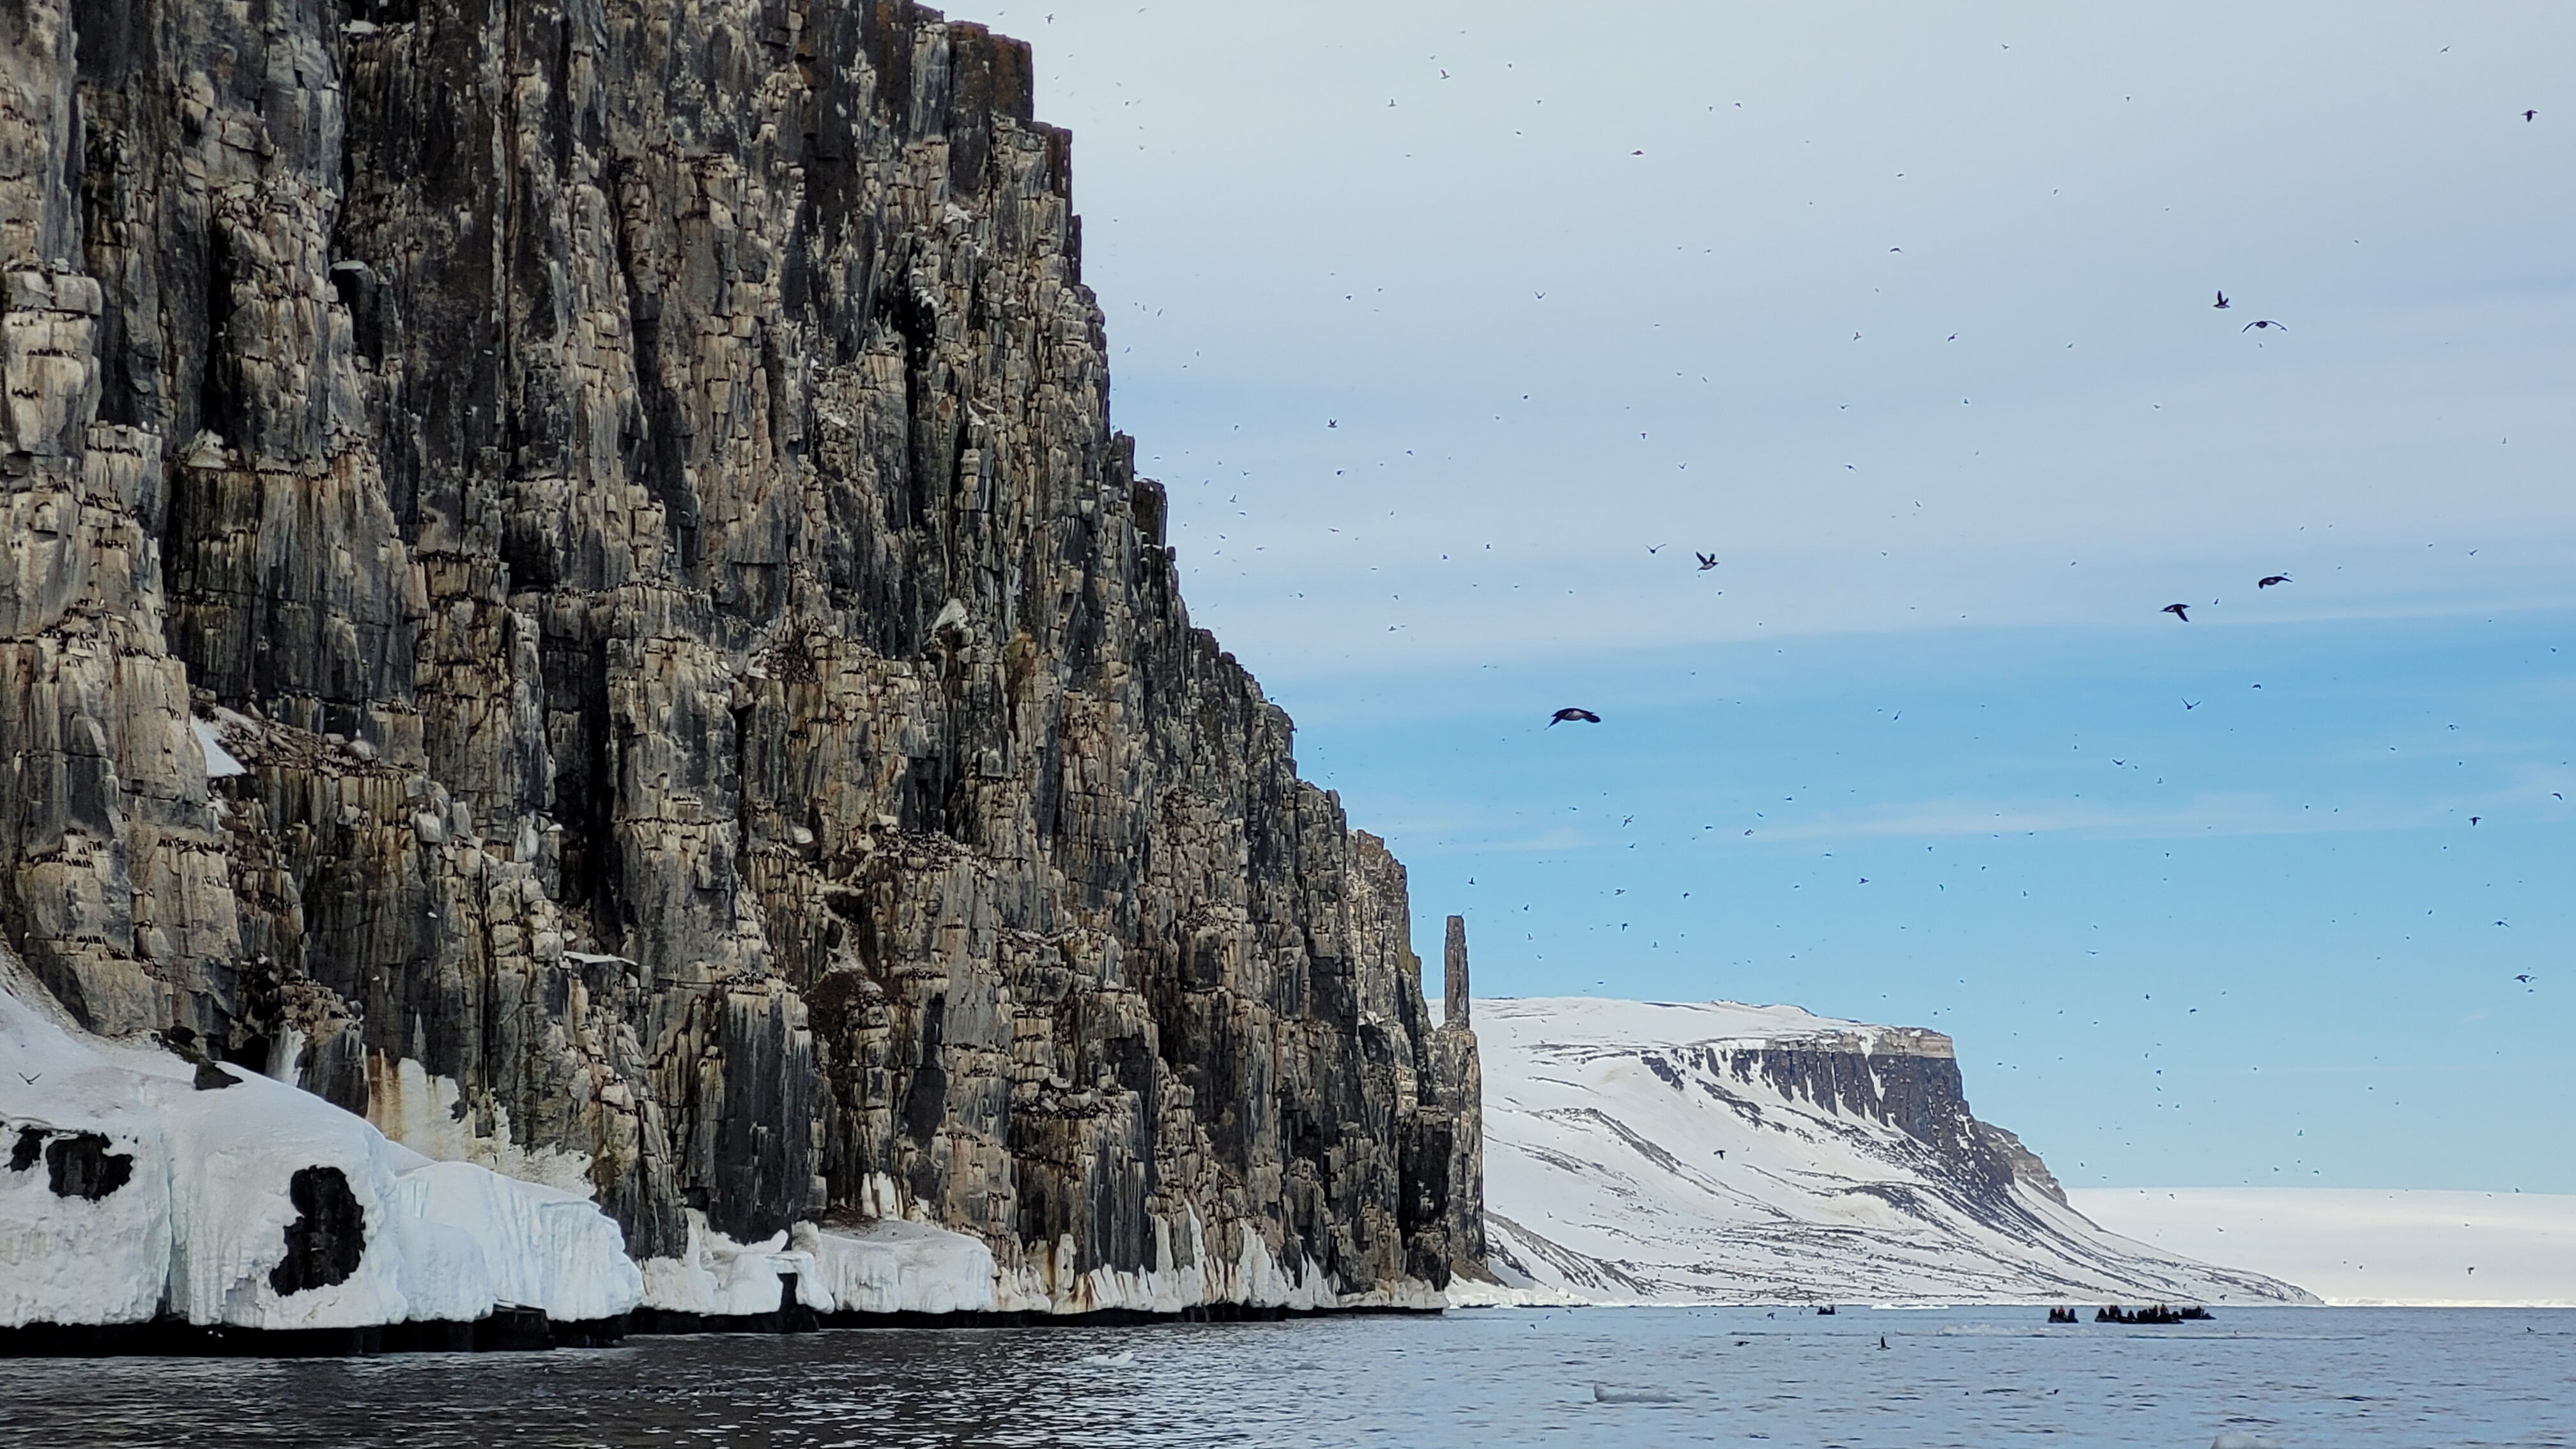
129, 1191
894, 1265
1625, 1164
2366, 1247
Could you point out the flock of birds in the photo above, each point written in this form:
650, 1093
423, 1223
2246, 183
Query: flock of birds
1708, 561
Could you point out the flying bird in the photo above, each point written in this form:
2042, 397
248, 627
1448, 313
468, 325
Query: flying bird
2524, 978
2222, 303
1658, 548
2474, 819
2261, 322
2191, 704
2179, 611
2268, 580
1563, 715
1707, 561
2527, 115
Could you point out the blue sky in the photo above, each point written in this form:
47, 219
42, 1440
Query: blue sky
1436, 323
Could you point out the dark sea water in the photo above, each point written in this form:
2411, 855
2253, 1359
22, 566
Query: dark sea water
2295, 1378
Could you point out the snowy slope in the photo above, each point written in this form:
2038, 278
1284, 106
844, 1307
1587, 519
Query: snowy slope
2367, 1246
1715, 1153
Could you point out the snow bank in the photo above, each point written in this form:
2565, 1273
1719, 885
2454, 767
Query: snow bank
899, 1267
894, 1265
542, 1247
254, 1205
716, 1276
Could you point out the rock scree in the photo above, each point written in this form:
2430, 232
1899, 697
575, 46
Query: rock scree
566, 586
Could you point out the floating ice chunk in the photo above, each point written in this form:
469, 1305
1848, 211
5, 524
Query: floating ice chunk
1605, 1394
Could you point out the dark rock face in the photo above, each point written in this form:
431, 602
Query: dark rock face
78, 1164
327, 1238
1908, 1078
632, 486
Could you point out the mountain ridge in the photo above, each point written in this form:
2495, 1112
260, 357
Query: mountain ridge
1662, 1152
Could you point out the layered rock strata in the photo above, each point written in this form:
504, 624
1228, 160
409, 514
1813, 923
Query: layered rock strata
566, 585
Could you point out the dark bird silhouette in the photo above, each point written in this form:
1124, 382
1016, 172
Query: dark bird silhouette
1707, 561
2191, 704
2525, 978
2268, 580
2527, 115
1882, 1340
2179, 611
1658, 548
2474, 819
31, 1081
1563, 715
2222, 304
1332, 422
2261, 322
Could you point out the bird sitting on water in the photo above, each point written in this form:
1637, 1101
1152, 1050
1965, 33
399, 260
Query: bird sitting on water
2261, 322
1564, 715
2268, 580
1707, 561
2222, 303
2179, 611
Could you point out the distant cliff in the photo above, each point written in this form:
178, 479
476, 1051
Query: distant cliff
566, 585
1715, 1153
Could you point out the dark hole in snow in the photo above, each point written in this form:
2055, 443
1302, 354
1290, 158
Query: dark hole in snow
78, 1164
31, 1140
322, 1246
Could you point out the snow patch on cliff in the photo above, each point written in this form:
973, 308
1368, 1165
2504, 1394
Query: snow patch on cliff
254, 1205
1633, 1156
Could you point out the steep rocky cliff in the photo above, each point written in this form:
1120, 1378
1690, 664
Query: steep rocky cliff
568, 587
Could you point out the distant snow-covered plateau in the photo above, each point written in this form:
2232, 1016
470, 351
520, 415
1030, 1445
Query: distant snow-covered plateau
1651, 1152
2366, 1246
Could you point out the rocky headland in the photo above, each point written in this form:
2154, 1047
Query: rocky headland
1710, 1152
567, 592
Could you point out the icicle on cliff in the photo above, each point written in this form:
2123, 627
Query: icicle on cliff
566, 585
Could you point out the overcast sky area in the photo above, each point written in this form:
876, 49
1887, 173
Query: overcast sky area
1455, 330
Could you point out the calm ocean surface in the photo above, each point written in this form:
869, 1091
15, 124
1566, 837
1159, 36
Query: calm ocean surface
2297, 1378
